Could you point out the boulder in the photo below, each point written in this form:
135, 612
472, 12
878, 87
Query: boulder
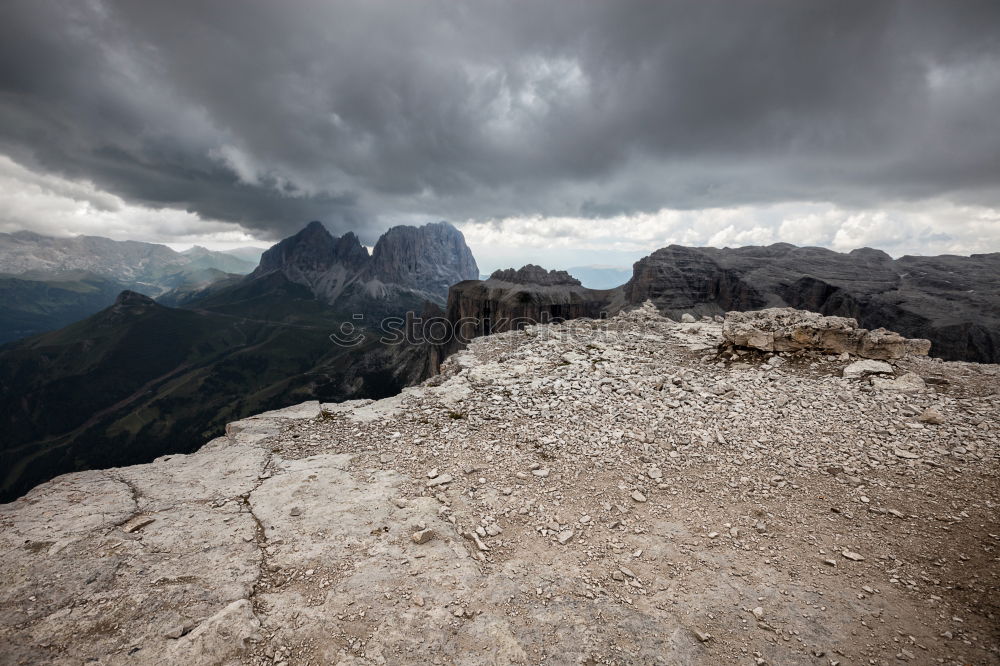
860, 369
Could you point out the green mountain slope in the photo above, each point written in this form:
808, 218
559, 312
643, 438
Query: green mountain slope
139, 380
31, 306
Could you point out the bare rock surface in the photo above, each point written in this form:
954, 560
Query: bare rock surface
609, 491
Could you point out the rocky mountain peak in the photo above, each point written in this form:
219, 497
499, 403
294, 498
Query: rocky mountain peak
132, 298
870, 254
430, 258
312, 249
952, 301
350, 252
532, 274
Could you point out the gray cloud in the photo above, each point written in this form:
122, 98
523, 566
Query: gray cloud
361, 113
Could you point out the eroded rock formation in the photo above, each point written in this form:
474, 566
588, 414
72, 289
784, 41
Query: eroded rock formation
788, 329
512, 299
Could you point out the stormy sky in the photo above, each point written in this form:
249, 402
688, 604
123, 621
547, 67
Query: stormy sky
561, 129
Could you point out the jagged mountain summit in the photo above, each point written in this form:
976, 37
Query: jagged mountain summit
613, 491
315, 259
407, 263
427, 259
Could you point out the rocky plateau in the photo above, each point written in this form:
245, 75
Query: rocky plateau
631, 490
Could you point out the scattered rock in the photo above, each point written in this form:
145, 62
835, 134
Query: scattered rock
738, 462
931, 415
137, 523
178, 631
440, 480
423, 536
860, 369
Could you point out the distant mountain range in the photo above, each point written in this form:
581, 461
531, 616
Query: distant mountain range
131, 262
140, 379
47, 282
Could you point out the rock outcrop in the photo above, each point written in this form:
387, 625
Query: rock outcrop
788, 329
512, 299
593, 492
952, 301
532, 274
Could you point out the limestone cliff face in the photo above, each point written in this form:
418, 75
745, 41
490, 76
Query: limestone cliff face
430, 258
952, 301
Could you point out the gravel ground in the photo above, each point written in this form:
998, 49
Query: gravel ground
593, 492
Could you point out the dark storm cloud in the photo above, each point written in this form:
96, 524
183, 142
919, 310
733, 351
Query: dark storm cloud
271, 113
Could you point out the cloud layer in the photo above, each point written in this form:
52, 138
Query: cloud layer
371, 112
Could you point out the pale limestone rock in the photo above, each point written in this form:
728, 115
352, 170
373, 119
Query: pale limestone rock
860, 369
788, 330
